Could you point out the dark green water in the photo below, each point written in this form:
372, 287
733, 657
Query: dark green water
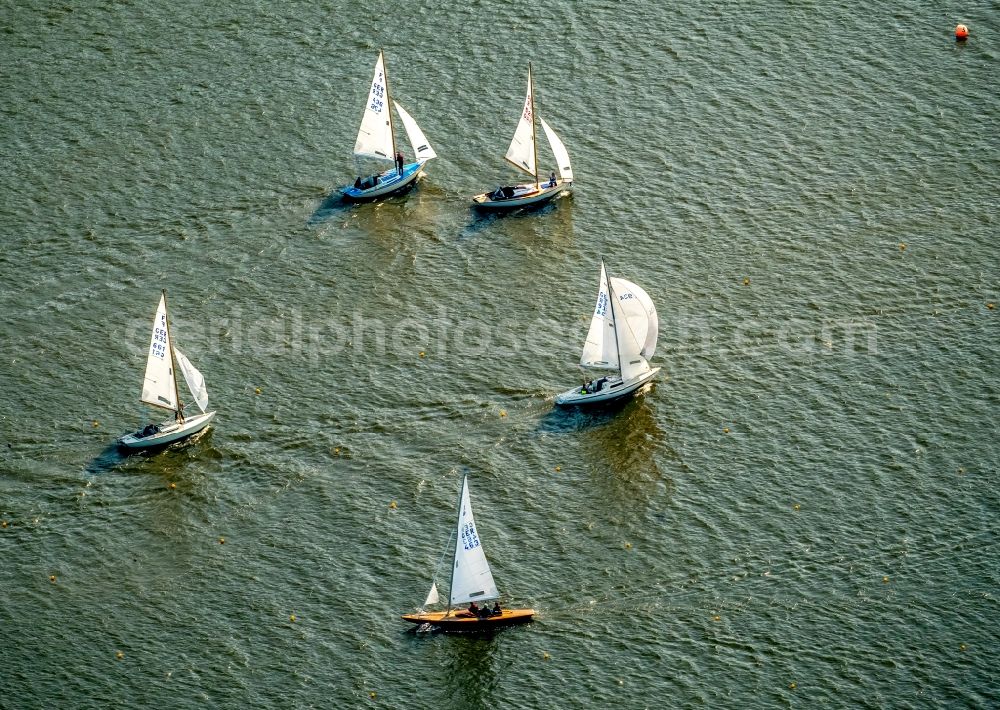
803, 511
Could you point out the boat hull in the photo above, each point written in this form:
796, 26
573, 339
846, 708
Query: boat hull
524, 196
454, 620
390, 183
613, 390
170, 431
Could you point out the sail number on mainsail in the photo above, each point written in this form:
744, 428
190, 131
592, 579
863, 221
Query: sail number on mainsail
470, 540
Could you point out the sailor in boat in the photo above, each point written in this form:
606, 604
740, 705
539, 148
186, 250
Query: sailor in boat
148, 430
552, 179
504, 192
472, 611
400, 162
497, 611
594, 385
366, 184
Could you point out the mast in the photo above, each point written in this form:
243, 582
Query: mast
451, 582
173, 362
534, 136
614, 316
388, 106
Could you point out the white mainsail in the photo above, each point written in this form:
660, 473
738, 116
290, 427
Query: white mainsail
195, 380
375, 135
559, 151
521, 152
636, 326
421, 148
158, 386
471, 577
600, 350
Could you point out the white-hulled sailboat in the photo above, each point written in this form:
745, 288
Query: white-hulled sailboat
523, 154
377, 139
159, 389
622, 338
471, 581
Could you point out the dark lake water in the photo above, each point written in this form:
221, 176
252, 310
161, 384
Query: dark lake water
803, 511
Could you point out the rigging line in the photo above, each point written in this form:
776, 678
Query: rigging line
437, 567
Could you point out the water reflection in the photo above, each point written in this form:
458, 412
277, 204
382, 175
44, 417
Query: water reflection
467, 667
559, 209
624, 456
622, 444
331, 205
166, 460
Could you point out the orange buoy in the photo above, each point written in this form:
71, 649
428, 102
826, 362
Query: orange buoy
961, 33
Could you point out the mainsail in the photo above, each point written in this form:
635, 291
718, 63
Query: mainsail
375, 138
421, 148
158, 386
521, 152
559, 151
195, 380
600, 350
471, 578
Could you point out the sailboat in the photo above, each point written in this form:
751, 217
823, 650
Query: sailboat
523, 154
377, 139
471, 581
621, 339
159, 389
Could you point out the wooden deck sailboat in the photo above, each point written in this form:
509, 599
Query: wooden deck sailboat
621, 339
523, 154
377, 139
159, 389
471, 581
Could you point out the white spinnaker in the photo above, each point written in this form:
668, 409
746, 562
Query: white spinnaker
158, 386
559, 151
421, 148
653, 323
599, 349
375, 135
432, 596
632, 323
521, 152
195, 380
471, 578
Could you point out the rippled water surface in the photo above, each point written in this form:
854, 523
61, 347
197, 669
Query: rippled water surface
803, 509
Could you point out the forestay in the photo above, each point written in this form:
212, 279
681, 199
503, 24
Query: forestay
195, 380
558, 150
521, 151
158, 387
421, 148
599, 350
375, 135
471, 577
